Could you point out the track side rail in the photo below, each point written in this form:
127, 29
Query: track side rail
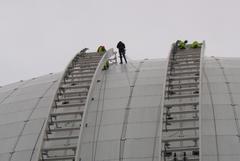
97, 73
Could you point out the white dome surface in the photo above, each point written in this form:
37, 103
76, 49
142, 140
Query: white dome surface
137, 87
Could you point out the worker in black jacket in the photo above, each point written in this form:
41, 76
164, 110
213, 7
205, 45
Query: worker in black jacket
122, 51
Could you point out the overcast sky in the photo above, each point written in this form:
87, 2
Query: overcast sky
40, 36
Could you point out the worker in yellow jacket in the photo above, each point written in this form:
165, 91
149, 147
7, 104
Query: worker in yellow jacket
182, 44
101, 50
196, 44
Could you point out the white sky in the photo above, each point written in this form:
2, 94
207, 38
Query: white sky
41, 36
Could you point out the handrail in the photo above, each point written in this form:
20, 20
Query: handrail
52, 104
162, 101
200, 97
98, 71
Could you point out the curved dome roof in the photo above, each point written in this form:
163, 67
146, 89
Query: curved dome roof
24, 107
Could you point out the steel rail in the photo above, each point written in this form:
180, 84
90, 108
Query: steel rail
97, 73
52, 104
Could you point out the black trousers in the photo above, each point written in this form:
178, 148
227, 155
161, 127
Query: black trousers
122, 55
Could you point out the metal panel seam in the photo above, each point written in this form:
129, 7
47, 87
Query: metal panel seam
231, 98
27, 119
213, 110
126, 115
13, 91
200, 97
